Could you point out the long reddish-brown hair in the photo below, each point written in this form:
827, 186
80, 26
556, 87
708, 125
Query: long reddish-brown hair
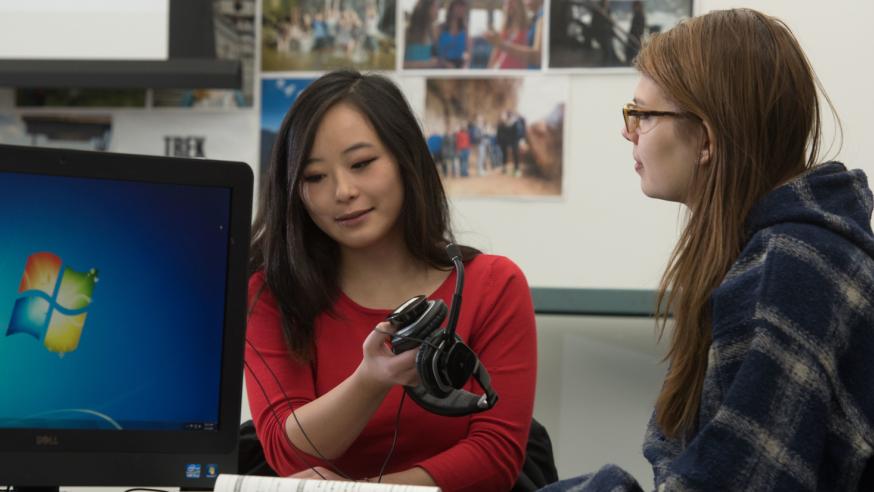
743, 74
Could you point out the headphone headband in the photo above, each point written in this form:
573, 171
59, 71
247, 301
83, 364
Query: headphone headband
458, 402
444, 362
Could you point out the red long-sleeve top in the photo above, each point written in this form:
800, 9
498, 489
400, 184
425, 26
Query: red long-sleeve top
481, 452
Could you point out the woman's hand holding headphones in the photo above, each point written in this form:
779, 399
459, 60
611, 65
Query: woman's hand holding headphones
380, 365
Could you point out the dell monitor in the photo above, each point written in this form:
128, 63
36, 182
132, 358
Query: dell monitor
122, 318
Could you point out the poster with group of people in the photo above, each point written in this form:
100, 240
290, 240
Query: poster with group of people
493, 112
319, 35
497, 136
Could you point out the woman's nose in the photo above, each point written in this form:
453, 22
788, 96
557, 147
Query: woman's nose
346, 189
631, 137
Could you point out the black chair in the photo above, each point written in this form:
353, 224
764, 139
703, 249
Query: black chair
538, 469
251, 459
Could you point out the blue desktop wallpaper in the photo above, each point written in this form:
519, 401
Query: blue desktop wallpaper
146, 265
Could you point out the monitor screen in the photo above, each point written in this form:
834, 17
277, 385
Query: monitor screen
122, 312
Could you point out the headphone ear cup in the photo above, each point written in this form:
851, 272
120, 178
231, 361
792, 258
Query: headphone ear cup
443, 370
425, 364
429, 321
457, 365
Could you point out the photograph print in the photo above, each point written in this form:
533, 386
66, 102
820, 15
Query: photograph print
475, 34
607, 33
321, 35
497, 136
277, 97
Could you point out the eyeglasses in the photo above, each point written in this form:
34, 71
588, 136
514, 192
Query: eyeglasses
638, 120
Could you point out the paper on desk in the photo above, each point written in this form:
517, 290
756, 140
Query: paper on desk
246, 483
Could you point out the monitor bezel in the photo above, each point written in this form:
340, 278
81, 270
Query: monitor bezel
77, 447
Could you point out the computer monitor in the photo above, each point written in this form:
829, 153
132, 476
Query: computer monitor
122, 317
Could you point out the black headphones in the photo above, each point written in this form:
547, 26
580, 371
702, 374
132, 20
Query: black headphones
444, 362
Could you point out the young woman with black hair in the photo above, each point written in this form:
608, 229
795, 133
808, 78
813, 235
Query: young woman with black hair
353, 221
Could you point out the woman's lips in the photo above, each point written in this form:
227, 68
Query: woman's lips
353, 217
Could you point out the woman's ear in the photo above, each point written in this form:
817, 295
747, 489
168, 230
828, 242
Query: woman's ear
708, 148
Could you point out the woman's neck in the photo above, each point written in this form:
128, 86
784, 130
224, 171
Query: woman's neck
385, 275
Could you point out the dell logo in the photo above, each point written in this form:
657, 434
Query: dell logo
47, 440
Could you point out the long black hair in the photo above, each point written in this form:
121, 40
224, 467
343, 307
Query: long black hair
299, 261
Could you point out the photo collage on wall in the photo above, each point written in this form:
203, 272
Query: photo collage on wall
495, 75
489, 80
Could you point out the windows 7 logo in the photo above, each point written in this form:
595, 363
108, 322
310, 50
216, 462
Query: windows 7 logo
53, 302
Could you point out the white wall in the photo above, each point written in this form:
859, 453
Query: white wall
603, 233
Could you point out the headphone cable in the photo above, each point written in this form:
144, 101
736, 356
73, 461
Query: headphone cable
458, 263
394, 438
293, 414
299, 452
